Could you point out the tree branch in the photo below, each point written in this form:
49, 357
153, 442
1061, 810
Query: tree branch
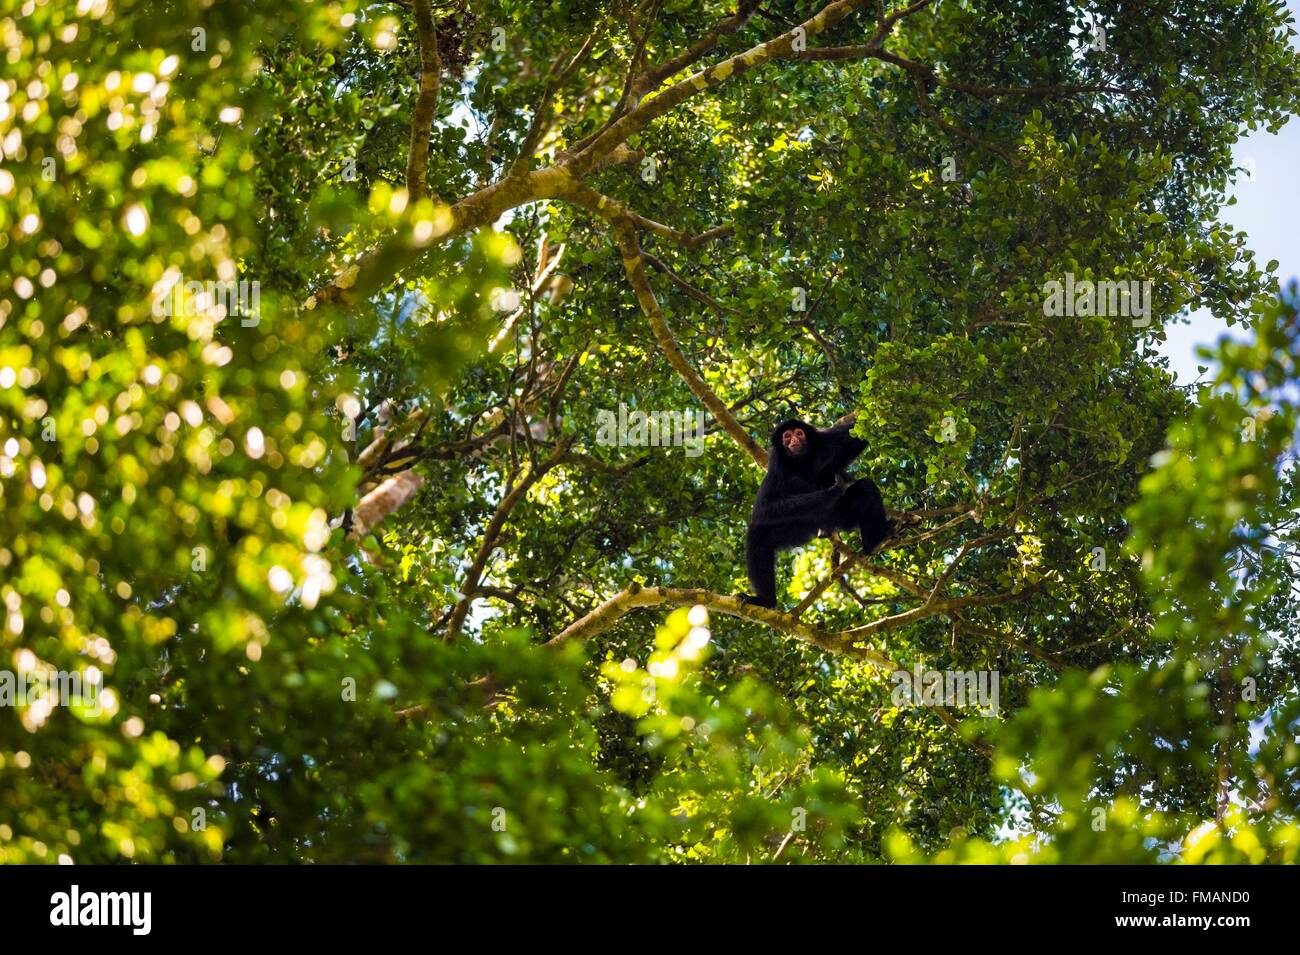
932, 608
704, 298
863, 51
475, 572
634, 266
965, 626
483, 207
680, 237
635, 596
923, 100
417, 157
587, 153
965, 549
662, 71
537, 129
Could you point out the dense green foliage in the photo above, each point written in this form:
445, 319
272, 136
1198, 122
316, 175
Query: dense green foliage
314, 554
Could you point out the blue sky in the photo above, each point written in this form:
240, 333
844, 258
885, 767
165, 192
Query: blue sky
1268, 211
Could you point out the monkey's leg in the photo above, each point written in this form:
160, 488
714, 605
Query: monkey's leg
865, 510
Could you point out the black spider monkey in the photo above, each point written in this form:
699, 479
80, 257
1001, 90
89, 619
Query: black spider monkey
805, 492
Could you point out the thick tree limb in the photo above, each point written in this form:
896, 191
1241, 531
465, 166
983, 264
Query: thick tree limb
634, 266
382, 501
417, 158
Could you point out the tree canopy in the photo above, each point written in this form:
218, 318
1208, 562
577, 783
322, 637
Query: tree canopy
311, 318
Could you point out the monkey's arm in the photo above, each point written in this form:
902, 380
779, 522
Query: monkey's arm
838, 448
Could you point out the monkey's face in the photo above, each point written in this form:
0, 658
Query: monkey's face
795, 442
